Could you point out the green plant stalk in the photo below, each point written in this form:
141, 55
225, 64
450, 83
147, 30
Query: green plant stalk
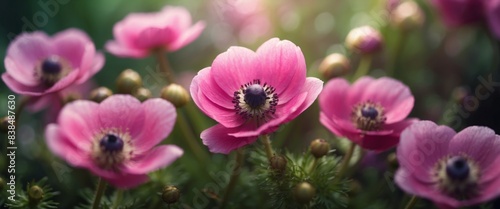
314, 165
267, 146
345, 162
234, 177
412, 202
118, 199
363, 67
199, 153
101, 186
164, 65
400, 41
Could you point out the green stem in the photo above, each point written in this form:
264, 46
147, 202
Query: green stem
234, 177
345, 162
363, 67
412, 202
192, 143
101, 186
314, 165
164, 65
118, 199
267, 146
400, 40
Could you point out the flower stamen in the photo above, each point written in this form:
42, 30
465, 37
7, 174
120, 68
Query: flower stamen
52, 69
110, 148
255, 101
457, 176
368, 116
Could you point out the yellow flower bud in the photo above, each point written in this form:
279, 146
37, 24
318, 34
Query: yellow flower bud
100, 94
176, 94
128, 82
334, 65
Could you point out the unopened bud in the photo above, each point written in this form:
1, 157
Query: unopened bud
407, 16
334, 65
304, 192
142, 94
2, 184
128, 82
176, 94
278, 163
392, 161
170, 194
319, 148
364, 40
35, 194
4, 124
100, 94
460, 93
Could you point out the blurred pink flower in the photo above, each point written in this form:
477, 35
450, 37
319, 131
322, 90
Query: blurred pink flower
463, 12
139, 33
371, 112
115, 139
452, 169
252, 93
38, 65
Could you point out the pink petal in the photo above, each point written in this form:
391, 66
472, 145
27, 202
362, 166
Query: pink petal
154, 37
120, 50
479, 143
96, 66
159, 119
379, 142
334, 128
127, 181
187, 37
212, 91
157, 158
66, 81
332, 101
79, 121
218, 140
19, 88
60, 145
493, 16
73, 44
358, 88
23, 55
393, 95
421, 146
227, 117
123, 112
283, 67
233, 68
313, 88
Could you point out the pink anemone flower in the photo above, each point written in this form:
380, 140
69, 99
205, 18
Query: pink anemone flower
115, 139
37, 64
371, 112
252, 93
140, 33
452, 169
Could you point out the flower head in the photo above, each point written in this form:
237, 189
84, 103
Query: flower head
115, 139
364, 40
139, 33
37, 64
452, 169
370, 113
252, 93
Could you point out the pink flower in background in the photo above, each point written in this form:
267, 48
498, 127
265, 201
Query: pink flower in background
452, 169
115, 139
371, 112
139, 33
464, 12
252, 93
38, 64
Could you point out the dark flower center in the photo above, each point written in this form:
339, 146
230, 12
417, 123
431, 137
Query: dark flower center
255, 101
369, 112
368, 116
457, 168
111, 143
255, 96
51, 65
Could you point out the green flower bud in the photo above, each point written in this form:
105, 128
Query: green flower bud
142, 94
4, 124
35, 194
392, 161
128, 82
364, 40
407, 16
278, 163
319, 148
334, 65
304, 192
170, 194
176, 94
100, 94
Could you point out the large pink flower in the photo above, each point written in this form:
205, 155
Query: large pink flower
38, 64
139, 33
452, 169
115, 139
463, 12
252, 93
371, 112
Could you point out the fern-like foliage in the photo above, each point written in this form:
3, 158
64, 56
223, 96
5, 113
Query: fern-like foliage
23, 201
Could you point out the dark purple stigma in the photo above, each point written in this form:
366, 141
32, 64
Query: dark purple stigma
111, 143
457, 168
255, 96
51, 65
369, 112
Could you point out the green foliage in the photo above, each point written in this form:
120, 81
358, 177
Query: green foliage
23, 200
